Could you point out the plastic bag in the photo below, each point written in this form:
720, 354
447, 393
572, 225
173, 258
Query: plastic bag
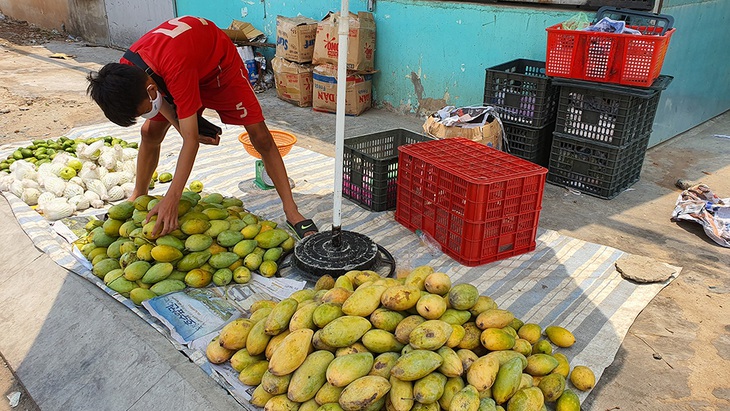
578, 21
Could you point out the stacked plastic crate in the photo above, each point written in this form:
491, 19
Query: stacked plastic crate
526, 101
609, 96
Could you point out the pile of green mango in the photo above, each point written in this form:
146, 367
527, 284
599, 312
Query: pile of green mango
217, 242
43, 151
362, 342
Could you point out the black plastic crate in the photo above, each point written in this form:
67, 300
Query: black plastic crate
532, 144
521, 92
614, 115
370, 167
597, 169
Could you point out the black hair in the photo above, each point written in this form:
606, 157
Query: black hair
118, 89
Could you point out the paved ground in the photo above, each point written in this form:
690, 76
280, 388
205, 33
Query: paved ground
74, 348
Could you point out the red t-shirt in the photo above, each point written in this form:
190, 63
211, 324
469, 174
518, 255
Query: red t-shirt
188, 53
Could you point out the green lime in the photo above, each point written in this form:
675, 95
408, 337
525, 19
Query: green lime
17, 155
26, 152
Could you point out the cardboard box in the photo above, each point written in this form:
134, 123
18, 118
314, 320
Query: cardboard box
489, 134
293, 81
295, 38
361, 41
358, 90
242, 31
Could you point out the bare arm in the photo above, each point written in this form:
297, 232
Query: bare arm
166, 210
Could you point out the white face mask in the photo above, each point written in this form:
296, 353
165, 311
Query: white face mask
156, 103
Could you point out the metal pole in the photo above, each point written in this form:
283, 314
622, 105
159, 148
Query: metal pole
343, 30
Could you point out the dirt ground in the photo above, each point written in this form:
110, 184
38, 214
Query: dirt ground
46, 115
19, 113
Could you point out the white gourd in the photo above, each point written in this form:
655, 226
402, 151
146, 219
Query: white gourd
45, 198
44, 168
28, 183
80, 202
129, 166
97, 203
17, 188
110, 180
78, 181
98, 187
56, 169
129, 153
89, 171
58, 209
73, 190
20, 169
116, 193
5, 182
107, 160
30, 196
92, 152
62, 158
128, 189
125, 177
55, 185
91, 196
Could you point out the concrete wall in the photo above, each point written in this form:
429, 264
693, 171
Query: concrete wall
431, 53
51, 14
130, 19
85, 18
88, 20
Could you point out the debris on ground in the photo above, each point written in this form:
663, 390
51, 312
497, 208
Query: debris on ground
22, 33
14, 398
699, 204
644, 269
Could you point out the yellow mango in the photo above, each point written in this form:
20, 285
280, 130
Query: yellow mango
234, 334
400, 297
328, 393
496, 339
311, 375
451, 365
383, 363
560, 336
582, 378
507, 381
527, 399
452, 386
430, 335
291, 353
430, 388
252, 373
416, 364
494, 318
344, 331
467, 399
217, 354
363, 393
381, 341
363, 301
568, 401
483, 372
347, 368
280, 316
552, 387
275, 385
540, 364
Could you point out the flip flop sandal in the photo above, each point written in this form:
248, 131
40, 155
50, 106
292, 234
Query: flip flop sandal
303, 227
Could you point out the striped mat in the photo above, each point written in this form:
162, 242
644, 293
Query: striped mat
565, 281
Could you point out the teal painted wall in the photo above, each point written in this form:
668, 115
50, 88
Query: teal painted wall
432, 53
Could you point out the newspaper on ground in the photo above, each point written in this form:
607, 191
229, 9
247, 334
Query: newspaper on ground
196, 312
699, 204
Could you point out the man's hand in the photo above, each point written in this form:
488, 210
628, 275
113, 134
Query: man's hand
166, 211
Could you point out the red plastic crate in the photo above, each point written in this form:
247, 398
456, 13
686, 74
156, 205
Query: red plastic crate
478, 203
632, 60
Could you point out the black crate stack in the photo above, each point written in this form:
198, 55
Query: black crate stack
526, 101
601, 135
